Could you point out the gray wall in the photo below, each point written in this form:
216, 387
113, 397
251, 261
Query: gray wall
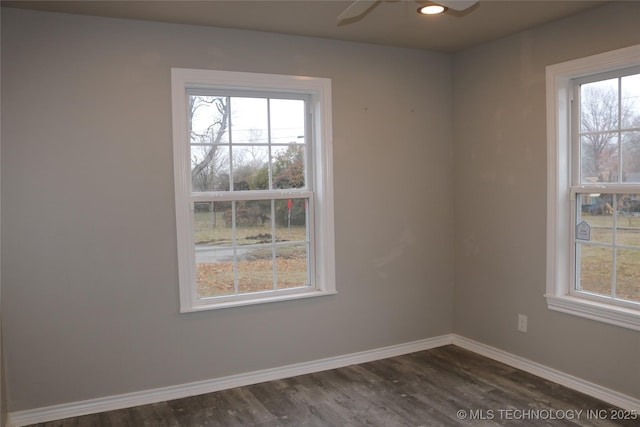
88, 245
500, 199
3, 383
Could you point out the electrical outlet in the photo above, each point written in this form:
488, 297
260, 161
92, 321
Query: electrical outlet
522, 323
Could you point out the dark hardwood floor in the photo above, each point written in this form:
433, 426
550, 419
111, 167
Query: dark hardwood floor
446, 386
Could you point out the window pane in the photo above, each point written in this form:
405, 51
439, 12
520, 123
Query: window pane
628, 220
288, 167
292, 265
253, 222
631, 101
255, 269
631, 156
287, 121
209, 168
291, 220
599, 106
214, 279
212, 224
212, 235
249, 121
250, 167
595, 268
595, 218
628, 274
208, 119
599, 157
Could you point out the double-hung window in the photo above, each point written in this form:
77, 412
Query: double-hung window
252, 168
594, 187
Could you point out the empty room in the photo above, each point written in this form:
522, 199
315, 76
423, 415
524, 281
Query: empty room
320, 213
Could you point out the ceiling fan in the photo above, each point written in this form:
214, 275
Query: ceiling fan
359, 7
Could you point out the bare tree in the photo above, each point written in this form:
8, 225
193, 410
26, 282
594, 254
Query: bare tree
601, 115
598, 117
206, 165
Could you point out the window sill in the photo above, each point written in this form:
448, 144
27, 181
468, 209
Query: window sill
606, 313
219, 303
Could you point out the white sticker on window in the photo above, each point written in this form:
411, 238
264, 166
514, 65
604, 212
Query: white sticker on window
583, 231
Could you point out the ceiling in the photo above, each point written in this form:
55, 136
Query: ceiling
387, 22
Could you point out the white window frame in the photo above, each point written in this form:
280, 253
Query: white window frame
559, 91
321, 167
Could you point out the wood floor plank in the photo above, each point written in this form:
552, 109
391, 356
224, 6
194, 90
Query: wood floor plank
356, 400
276, 397
245, 408
446, 386
322, 400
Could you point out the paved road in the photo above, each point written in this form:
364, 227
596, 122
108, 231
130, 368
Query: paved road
209, 254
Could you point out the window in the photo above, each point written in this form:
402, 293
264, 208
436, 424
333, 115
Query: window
253, 187
593, 225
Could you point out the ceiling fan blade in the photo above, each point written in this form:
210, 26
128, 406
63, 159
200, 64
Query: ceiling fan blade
356, 9
456, 4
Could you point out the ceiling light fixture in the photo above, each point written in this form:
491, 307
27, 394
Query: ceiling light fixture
431, 9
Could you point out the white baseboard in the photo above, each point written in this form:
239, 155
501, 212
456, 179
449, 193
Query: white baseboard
92, 406
594, 390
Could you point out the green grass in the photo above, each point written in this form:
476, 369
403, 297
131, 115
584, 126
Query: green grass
597, 269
